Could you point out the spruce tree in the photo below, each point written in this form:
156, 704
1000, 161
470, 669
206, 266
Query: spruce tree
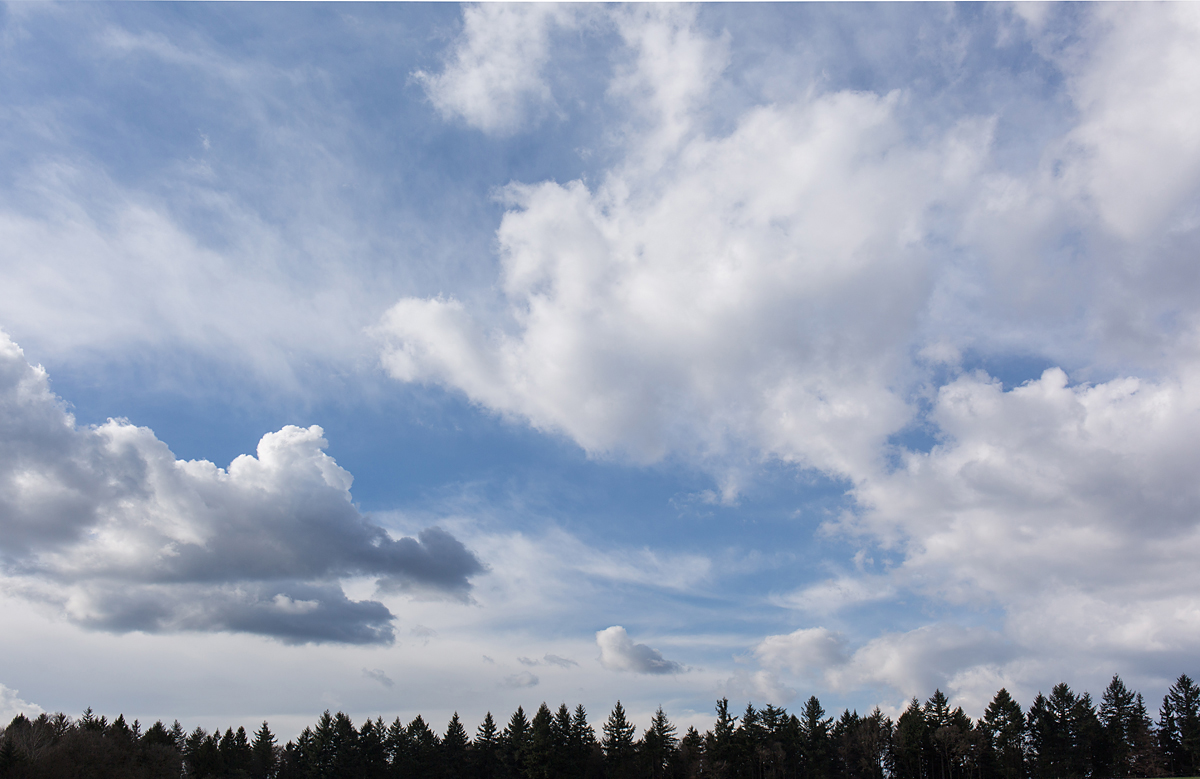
1117, 715
485, 759
814, 731
1179, 727
454, 747
515, 743
657, 748
1004, 725
541, 744
618, 743
262, 764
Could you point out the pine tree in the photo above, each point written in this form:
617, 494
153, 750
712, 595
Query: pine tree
454, 747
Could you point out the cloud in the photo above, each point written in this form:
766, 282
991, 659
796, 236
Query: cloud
379, 676
833, 595
11, 706
548, 659
107, 525
1132, 156
619, 653
519, 680
913, 663
492, 76
561, 662
710, 307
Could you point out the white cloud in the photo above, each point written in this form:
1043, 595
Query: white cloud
1134, 154
833, 595
791, 288
11, 706
492, 77
619, 653
718, 306
912, 663
104, 523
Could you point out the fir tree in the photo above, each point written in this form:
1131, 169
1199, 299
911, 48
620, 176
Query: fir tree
454, 747
1004, 726
618, 744
658, 745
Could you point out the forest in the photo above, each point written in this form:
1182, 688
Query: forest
1064, 735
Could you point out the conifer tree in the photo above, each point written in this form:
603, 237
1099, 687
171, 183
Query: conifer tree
454, 747
618, 743
541, 744
1117, 715
1179, 727
262, 764
658, 745
1004, 726
719, 746
485, 759
815, 743
515, 743
372, 749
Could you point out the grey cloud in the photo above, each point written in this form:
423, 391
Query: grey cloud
256, 547
548, 659
379, 676
561, 662
523, 679
619, 653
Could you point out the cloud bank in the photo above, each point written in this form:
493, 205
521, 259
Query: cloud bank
105, 524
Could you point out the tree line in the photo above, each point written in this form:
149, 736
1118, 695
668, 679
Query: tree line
1064, 735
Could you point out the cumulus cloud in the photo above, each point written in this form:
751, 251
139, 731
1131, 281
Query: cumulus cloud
719, 305
492, 76
797, 285
105, 523
912, 663
11, 705
619, 653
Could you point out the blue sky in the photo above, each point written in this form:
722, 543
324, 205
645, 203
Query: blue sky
418, 358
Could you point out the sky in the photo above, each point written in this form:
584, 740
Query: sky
411, 358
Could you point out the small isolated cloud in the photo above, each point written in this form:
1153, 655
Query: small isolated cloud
423, 634
619, 653
548, 659
523, 679
561, 662
379, 676
108, 525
